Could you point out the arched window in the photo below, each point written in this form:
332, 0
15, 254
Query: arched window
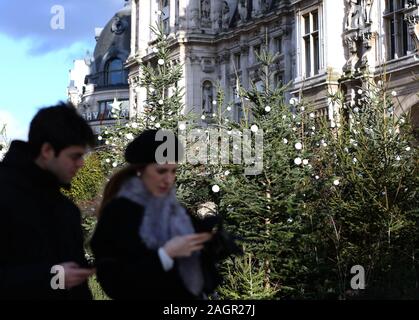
165, 15
114, 72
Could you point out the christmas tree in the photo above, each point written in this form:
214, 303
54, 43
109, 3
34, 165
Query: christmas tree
268, 209
309, 199
367, 195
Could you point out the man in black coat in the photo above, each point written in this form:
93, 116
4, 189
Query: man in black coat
41, 239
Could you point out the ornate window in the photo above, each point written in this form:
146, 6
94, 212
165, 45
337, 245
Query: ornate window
310, 30
277, 45
398, 41
177, 8
114, 72
106, 106
165, 15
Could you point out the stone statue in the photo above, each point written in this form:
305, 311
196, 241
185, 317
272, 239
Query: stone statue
225, 16
205, 9
256, 7
353, 15
242, 8
412, 18
194, 21
118, 25
412, 2
416, 36
207, 97
366, 10
366, 46
265, 5
352, 44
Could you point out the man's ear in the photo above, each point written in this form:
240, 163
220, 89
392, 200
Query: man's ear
47, 152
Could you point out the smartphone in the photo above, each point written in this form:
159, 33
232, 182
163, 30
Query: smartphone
210, 224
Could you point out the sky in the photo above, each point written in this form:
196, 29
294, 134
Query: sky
39, 40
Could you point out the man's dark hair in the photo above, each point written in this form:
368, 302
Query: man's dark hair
61, 126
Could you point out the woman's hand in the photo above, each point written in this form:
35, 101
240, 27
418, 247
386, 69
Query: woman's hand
184, 246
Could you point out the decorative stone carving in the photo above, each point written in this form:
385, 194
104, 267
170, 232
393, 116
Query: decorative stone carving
242, 9
135, 100
412, 3
225, 16
244, 48
260, 7
352, 43
366, 10
194, 21
256, 7
416, 36
205, 9
205, 14
207, 96
367, 38
358, 13
353, 15
359, 39
358, 45
193, 59
207, 65
118, 25
224, 57
412, 18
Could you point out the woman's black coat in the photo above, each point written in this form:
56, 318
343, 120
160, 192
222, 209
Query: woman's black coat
127, 269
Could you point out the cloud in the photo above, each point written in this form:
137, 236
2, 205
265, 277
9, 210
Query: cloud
14, 129
22, 20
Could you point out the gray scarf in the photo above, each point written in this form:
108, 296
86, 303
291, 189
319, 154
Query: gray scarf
164, 218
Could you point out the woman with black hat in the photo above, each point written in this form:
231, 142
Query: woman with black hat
145, 243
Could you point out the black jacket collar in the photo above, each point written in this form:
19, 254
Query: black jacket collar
20, 158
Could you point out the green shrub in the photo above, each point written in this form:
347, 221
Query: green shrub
244, 280
88, 181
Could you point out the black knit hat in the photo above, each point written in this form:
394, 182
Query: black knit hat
142, 149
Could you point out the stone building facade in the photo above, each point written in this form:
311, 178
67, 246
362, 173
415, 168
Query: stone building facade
322, 46
99, 83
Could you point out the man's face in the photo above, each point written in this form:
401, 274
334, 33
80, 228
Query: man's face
66, 164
